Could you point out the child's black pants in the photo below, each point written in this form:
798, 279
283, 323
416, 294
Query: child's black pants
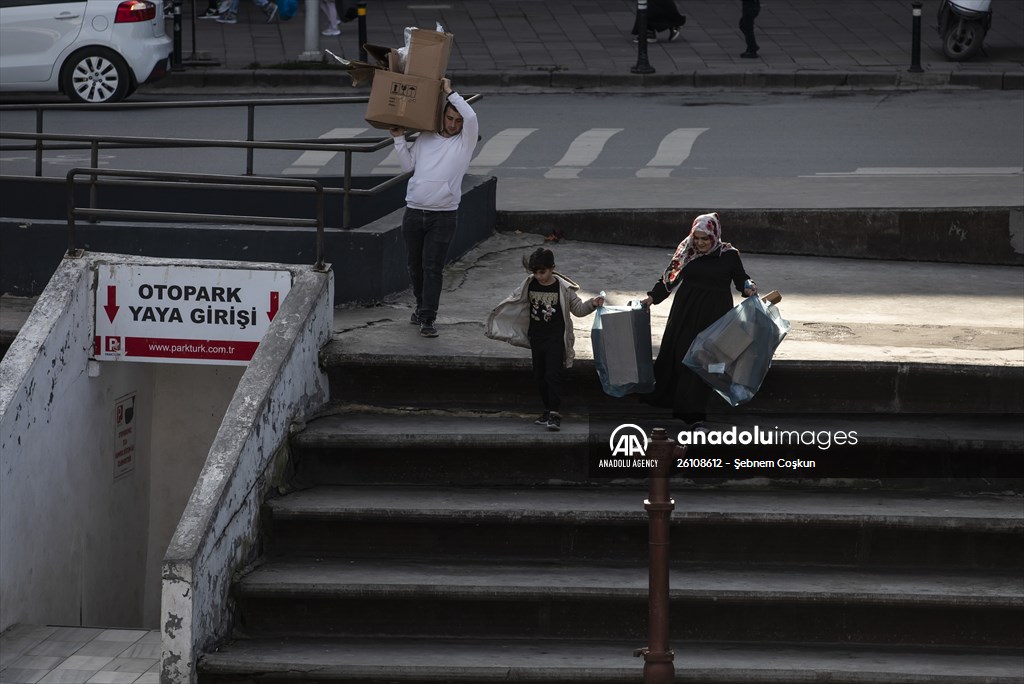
548, 365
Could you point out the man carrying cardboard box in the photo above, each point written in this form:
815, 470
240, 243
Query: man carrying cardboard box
438, 162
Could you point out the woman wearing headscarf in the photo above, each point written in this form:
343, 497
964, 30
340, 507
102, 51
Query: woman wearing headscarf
700, 272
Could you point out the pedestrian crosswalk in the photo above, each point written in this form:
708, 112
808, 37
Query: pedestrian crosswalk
514, 151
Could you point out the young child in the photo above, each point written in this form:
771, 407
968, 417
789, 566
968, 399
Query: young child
536, 315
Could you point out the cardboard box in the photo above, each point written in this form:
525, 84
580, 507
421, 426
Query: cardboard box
402, 100
428, 53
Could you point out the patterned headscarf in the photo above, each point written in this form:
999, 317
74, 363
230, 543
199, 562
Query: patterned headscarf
707, 224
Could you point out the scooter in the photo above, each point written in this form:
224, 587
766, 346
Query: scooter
963, 25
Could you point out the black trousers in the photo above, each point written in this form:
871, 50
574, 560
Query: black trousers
751, 8
548, 366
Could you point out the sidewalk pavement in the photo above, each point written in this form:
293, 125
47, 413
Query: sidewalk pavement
841, 310
531, 43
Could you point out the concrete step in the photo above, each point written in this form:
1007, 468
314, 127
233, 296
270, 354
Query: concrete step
866, 529
490, 379
471, 446
476, 661
349, 596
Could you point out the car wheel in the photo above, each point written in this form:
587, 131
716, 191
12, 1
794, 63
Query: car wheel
96, 75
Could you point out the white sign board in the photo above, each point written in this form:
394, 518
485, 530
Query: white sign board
184, 314
124, 435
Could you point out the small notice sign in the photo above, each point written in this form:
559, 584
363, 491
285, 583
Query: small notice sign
175, 314
124, 435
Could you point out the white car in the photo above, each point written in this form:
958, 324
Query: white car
90, 50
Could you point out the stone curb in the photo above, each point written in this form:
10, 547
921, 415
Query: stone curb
261, 78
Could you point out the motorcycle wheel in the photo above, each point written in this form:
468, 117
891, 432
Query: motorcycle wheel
963, 40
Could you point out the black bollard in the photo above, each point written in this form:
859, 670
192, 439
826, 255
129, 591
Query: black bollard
658, 658
361, 13
915, 46
176, 25
642, 65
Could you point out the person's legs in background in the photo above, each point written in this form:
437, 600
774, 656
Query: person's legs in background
751, 8
330, 10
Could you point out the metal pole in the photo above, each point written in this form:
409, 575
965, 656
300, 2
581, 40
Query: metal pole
642, 65
39, 142
311, 49
915, 48
658, 665
249, 135
361, 13
346, 214
176, 54
194, 15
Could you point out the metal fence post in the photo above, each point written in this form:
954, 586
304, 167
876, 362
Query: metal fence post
915, 46
176, 30
642, 65
361, 13
658, 659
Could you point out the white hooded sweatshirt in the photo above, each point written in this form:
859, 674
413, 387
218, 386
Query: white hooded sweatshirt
439, 163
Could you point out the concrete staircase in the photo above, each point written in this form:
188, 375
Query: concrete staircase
434, 534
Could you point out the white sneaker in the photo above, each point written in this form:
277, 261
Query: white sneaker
331, 32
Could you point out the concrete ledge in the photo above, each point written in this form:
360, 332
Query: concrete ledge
974, 235
369, 260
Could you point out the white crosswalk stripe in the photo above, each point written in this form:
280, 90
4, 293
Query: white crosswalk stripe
311, 161
583, 151
498, 149
388, 167
928, 171
673, 150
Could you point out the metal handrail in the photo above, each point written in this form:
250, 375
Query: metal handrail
174, 179
346, 146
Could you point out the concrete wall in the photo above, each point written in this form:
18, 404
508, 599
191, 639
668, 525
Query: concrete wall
79, 546
181, 440
972, 235
73, 539
218, 533
369, 261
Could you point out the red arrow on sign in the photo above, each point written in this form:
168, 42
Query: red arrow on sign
111, 306
274, 297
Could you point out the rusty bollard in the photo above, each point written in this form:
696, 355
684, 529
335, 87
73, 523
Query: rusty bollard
658, 665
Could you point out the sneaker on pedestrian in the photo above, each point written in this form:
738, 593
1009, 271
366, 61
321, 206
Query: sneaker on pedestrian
427, 329
210, 13
271, 11
414, 318
749, 54
554, 422
330, 32
673, 33
227, 18
543, 420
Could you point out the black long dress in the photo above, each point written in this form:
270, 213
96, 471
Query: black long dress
661, 16
701, 299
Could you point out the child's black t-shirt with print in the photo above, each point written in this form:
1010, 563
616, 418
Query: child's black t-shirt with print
546, 318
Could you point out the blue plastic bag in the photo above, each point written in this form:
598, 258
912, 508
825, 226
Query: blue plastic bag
621, 337
286, 9
734, 353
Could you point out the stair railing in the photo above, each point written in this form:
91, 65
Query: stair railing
172, 179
